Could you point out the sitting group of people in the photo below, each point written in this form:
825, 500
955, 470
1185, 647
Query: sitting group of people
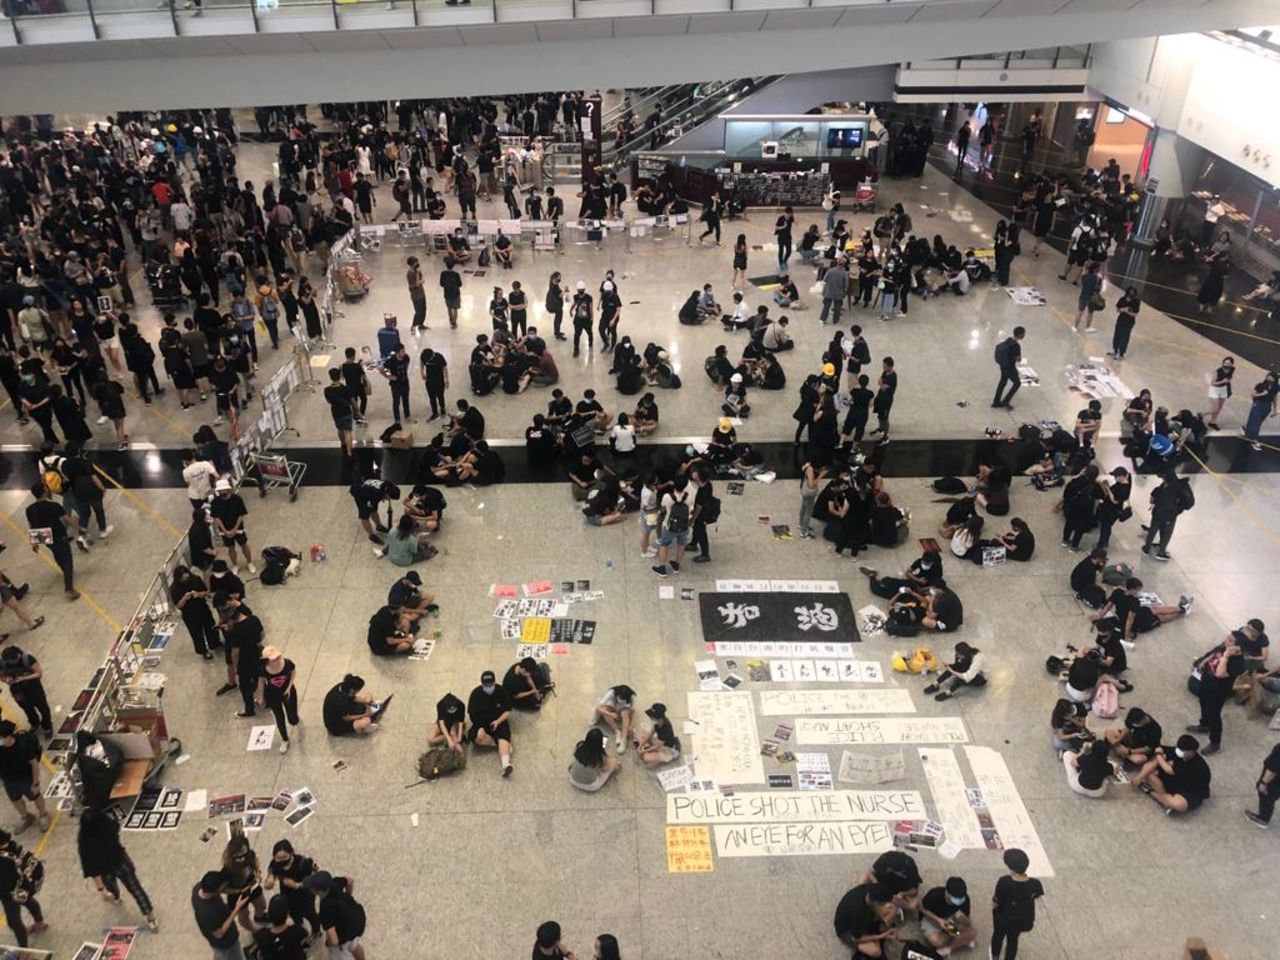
854, 507
634, 370
654, 739
511, 362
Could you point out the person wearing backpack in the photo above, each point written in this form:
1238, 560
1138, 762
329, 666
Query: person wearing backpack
342, 918
706, 510
1007, 356
21, 875
267, 300
20, 754
676, 513
1172, 498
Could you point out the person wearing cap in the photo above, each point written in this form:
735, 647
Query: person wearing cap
276, 691
528, 684
735, 398
342, 918
228, 512
659, 744
945, 917
1013, 905
281, 938
348, 708
864, 920
1179, 783
582, 312
490, 712
720, 448
408, 600
449, 728
215, 918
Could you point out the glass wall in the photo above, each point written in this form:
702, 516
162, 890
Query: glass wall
830, 136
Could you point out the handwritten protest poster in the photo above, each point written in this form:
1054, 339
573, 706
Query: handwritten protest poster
778, 703
781, 806
853, 730
689, 850
727, 743
802, 839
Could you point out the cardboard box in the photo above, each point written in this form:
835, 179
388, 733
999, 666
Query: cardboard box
402, 440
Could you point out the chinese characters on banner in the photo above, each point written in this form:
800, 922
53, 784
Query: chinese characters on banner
689, 850
777, 617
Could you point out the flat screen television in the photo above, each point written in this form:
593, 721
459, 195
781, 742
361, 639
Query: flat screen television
844, 138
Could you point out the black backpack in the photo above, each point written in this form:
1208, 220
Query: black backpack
28, 873
678, 516
1002, 353
1184, 497
710, 510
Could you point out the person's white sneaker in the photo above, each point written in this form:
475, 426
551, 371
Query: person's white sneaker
622, 745
284, 747
252, 568
102, 419
103, 534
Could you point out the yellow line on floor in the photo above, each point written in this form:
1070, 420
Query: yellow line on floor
1164, 286
87, 597
138, 502
178, 428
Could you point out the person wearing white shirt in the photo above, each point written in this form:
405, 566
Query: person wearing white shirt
622, 438
1214, 211
740, 318
616, 710
963, 671
199, 476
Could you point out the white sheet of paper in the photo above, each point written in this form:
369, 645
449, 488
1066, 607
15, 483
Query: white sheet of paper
666, 592
262, 737
197, 800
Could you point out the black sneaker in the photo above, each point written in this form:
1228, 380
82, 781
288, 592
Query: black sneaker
225, 688
703, 558
22, 591
1256, 820
675, 566
660, 570
506, 771
1162, 555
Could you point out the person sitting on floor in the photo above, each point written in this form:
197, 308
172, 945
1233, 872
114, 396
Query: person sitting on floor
659, 744
1019, 542
924, 572
389, 633
405, 546
1084, 675
527, 684
425, 507
897, 872
1069, 722
735, 398
603, 507
1179, 783
718, 367
1134, 616
787, 295
449, 728
592, 766
707, 304
1136, 743
1089, 771
960, 512
966, 541
776, 336
616, 710
936, 609
963, 671
490, 713
691, 313
945, 917
645, 418
1086, 580
349, 708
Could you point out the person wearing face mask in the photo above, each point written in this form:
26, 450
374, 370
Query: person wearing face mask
923, 573
944, 917
290, 869
1178, 780
490, 712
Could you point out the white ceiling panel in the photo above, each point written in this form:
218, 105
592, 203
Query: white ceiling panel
801, 19
650, 26
959, 10
727, 22
499, 33
575, 30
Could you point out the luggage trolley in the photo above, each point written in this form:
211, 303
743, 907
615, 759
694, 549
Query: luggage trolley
276, 470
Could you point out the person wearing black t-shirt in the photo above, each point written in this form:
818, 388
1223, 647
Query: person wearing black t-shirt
518, 302
886, 388
1086, 579
396, 369
1134, 616
349, 708
490, 712
1089, 771
1218, 674
290, 869
1268, 787
923, 573
451, 285
388, 633
244, 641
1020, 542
1013, 906
229, 512
54, 523
342, 918
449, 728
527, 684
338, 395
282, 938
660, 745
435, 377
1178, 779
945, 916
1136, 743
862, 920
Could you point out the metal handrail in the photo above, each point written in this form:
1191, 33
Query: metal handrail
655, 93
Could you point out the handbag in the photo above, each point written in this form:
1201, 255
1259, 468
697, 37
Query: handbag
1097, 303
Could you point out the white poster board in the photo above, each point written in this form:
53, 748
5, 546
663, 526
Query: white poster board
778, 703
871, 730
727, 744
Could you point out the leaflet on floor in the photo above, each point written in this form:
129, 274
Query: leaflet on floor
778, 703
1007, 810
830, 730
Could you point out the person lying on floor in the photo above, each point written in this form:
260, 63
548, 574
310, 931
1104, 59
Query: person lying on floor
1134, 616
936, 609
924, 572
965, 670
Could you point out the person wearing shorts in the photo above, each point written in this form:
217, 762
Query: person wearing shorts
490, 710
20, 770
338, 396
228, 512
659, 745
667, 537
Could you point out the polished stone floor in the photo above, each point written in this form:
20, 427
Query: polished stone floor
488, 860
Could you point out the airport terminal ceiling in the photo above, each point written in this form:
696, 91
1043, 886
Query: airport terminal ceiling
168, 72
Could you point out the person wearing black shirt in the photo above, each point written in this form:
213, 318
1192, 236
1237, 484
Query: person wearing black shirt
923, 573
20, 755
1008, 355
705, 511
1134, 616
22, 673
528, 684
468, 420
37, 403
451, 285
660, 745
490, 712
290, 869
357, 383
388, 633
1218, 674
228, 511
1136, 743
1013, 906
449, 728
435, 377
1086, 579
1020, 542
1178, 780
338, 395
539, 442
53, 521
282, 938
342, 918
104, 860
944, 916
1089, 771
215, 919
1268, 787
862, 920
396, 369
518, 302
349, 708
883, 402
855, 421
244, 643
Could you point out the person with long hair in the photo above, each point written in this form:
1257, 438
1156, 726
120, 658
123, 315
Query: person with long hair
189, 593
1219, 391
740, 262
244, 878
606, 947
104, 860
592, 766
290, 870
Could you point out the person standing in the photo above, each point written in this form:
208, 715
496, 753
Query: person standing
1169, 500
14, 894
435, 377
582, 312
740, 262
518, 303
706, 510
418, 295
610, 314
811, 476
1005, 248
1008, 355
396, 369
831, 204
199, 476
1268, 787
711, 217
835, 286
342, 408
451, 284
1090, 299
782, 234
556, 292
1013, 907
229, 512
244, 646
22, 672
1218, 674
37, 404
290, 869
215, 918
190, 594
1262, 406
20, 754
53, 524
104, 860
1214, 211
883, 402
1126, 317
276, 691
963, 136
87, 490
